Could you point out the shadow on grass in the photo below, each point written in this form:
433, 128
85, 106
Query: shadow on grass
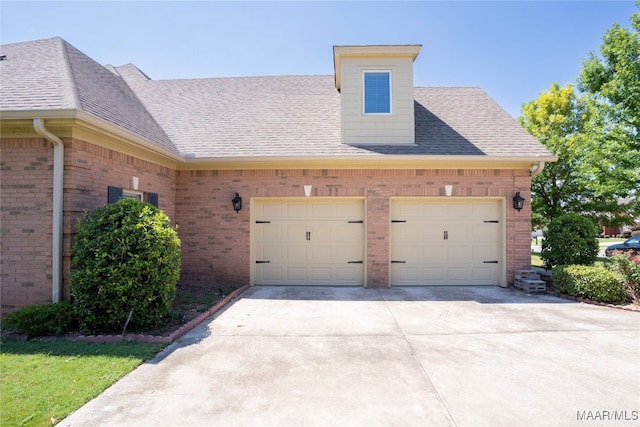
62, 347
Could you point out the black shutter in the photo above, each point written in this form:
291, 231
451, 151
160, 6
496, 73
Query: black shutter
114, 194
152, 198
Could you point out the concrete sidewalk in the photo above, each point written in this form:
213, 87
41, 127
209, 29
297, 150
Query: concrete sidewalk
456, 356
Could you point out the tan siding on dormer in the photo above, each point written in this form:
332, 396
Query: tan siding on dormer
395, 128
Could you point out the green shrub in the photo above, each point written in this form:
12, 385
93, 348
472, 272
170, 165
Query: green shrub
593, 282
628, 268
569, 239
125, 256
42, 320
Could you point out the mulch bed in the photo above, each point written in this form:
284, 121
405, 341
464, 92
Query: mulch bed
193, 304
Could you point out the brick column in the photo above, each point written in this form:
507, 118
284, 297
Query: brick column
377, 239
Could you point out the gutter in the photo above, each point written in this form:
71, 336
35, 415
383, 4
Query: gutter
58, 177
535, 170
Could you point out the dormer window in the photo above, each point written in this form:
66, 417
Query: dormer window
376, 92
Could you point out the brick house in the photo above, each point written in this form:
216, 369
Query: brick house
357, 178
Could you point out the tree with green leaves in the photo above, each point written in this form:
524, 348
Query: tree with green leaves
558, 119
595, 135
612, 81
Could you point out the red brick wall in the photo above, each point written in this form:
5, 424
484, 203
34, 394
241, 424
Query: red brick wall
216, 240
26, 230
90, 169
25, 222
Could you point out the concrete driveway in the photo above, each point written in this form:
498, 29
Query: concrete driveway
461, 356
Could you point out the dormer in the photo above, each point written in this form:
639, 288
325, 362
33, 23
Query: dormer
376, 93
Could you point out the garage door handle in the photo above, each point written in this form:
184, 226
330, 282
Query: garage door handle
356, 222
263, 222
490, 262
263, 262
398, 262
397, 220
354, 262
492, 222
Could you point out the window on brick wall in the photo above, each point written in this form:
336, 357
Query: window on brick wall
116, 193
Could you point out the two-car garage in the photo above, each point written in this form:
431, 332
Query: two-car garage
323, 241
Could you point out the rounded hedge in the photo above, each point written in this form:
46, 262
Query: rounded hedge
125, 256
593, 282
570, 239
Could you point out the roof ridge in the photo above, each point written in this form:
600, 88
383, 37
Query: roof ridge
68, 75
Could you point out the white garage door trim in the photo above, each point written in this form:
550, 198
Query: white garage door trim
308, 241
442, 224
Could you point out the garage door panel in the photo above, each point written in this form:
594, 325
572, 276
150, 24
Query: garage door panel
483, 274
309, 242
270, 252
459, 274
273, 211
445, 242
272, 274
348, 253
405, 274
458, 210
296, 274
347, 273
485, 211
457, 253
296, 253
321, 254
485, 233
484, 252
320, 273
295, 211
345, 232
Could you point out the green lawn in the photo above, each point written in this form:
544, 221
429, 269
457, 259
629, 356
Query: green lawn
41, 382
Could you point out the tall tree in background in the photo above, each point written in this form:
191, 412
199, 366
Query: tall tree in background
558, 119
613, 83
596, 136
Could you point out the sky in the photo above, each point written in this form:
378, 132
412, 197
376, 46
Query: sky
514, 50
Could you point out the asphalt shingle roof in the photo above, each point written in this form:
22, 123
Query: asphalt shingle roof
247, 116
51, 74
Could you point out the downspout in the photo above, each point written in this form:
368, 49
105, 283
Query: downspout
58, 178
536, 169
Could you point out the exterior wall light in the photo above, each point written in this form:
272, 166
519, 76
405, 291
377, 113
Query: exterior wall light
237, 203
518, 201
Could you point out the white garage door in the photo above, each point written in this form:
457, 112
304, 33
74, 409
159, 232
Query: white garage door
446, 242
309, 242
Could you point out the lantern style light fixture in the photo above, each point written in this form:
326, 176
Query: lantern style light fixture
518, 201
237, 203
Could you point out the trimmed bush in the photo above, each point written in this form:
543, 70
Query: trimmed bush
593, 282
628, 268
42, 320
570, 239
125, 256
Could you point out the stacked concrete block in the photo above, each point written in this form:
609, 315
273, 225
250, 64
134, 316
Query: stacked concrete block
529, 281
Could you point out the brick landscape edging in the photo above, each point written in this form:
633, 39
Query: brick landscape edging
159, 338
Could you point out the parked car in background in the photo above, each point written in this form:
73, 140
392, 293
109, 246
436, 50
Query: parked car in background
628, 247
